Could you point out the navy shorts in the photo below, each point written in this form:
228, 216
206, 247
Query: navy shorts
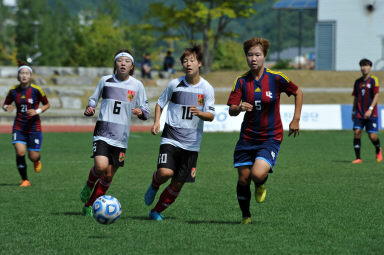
266, 151
31, 140
115, 155
371, 125
182, 162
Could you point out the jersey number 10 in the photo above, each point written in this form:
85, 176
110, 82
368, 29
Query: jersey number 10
186, 113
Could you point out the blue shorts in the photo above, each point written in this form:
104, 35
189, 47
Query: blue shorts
267, 151
371, 125
32, 140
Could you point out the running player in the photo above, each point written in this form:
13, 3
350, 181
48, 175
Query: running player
123, 96
364, 113
26, 132
257, 92
190, 101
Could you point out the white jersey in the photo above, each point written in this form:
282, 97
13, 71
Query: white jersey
119, 98
181, 128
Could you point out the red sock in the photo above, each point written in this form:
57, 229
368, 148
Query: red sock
92, 178
155, 181
168, 196
101, 188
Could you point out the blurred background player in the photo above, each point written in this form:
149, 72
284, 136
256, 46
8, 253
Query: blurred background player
169, 61
257, 92
364, 113
190, 101
146, 67
26, 132
123, 96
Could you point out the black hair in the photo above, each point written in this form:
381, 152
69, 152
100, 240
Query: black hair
195, 49
365, 62
114, 64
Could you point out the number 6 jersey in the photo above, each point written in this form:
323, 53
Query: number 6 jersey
119, 98
181, 128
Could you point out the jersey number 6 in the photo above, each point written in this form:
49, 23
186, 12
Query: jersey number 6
116, 107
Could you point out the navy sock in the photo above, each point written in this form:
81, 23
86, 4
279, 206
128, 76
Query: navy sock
377, 145
21, 166
244, 199
357, 145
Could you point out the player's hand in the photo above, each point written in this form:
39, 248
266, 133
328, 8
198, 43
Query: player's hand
294, 128
137, 111
367, 114
89, 111
155, 128
245, 106
10, 108
194, 111
31, 112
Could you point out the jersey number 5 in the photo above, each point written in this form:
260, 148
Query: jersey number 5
116, 107
186, 113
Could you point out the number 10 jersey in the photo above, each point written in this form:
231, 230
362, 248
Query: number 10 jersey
181, 128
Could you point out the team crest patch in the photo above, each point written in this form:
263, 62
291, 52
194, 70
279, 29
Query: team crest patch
193, 172
200, 99
30, 100
131, 95
121, 156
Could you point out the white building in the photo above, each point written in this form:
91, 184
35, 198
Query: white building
347, 31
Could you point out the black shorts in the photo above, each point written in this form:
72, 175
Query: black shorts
182, 162
116, 155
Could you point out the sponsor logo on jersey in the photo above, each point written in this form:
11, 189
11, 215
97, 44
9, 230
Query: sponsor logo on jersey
193, 172
268, 94
200, 99
131, 95
257, 89
30, 100
369, 85
121, 156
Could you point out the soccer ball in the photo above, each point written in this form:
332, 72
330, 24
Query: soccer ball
106, 209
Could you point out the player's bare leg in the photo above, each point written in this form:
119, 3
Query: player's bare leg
34, 156
260, 171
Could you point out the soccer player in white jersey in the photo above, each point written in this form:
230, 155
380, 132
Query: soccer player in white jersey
122, 96
190, 101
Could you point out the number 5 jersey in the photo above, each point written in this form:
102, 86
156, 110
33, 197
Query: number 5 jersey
181, 128
118, 100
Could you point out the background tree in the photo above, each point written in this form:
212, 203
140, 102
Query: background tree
204, 20
7, 36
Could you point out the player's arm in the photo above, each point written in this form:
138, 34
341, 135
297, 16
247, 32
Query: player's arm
294, 126
7, 106
156, 123
142, 110
368, 113
235, 110
94, 99
206, 116
33, 112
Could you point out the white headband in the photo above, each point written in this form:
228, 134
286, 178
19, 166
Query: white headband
24, 66
125, 54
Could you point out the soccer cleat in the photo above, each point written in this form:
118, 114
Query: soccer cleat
246, 220
155, 216
150, 195
260, 193
85, 193
37, 166
379, 156
25, 183
87, 211
357, 161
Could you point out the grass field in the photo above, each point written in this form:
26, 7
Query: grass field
317, 201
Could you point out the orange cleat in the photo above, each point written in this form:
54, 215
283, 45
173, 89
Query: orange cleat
357, 161
37, 166
25, 183
379, 156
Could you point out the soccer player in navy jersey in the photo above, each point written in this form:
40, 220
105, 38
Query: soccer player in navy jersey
364, 113
257, 92
122, 97
26, 132
190, 100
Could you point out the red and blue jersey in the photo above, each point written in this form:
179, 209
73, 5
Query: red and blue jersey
263, 123
364, 91
26, 98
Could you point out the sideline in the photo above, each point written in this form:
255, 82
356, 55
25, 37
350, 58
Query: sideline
7, 129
